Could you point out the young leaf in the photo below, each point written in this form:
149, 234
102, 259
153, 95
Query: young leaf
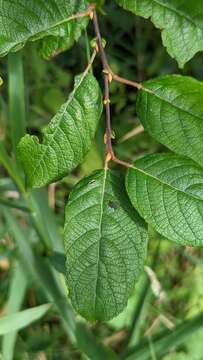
67, 138
167, 191
181, 23
22, 21
171, 110
105, 245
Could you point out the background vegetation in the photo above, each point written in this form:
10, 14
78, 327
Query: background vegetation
168, 299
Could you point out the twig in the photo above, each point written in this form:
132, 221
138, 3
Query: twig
110, 154
108, 76
134, 132
106, 68
52, 195
155, 284
88, 12
159, 319
125, 81
114, 339
122, 163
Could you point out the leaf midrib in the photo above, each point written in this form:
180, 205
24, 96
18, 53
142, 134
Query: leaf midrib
31, 35
166, 184
150, 91
100, 232
47, 146
178, 12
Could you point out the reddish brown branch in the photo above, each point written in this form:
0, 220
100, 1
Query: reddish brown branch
108, 76
110, 153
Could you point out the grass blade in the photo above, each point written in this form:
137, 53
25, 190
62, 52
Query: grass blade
10, 168
16, 297
135, 328
42, 274
163, 342
90, 347
14, 205
44, 220
16, 98
39, 268
22, 319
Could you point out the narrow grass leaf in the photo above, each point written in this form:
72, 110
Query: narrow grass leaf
16, 91
22, 319
16, 296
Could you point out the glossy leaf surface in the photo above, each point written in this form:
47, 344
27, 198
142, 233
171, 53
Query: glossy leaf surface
171, 110
167, 191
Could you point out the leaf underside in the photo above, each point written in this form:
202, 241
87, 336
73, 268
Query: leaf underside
67, 138
167, 191
180, 21
171, 110
22, 21
105, 246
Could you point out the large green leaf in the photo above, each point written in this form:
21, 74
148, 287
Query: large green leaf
171, 110
68, 136
105, 245
180, 21
167, 191
22, 21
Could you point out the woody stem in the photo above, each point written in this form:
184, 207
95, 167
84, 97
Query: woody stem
109, 148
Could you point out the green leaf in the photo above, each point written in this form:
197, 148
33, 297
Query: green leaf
171, 110
167, 191
22, 319
22, 21
52, 46
181, 24
105, 246
67, 138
